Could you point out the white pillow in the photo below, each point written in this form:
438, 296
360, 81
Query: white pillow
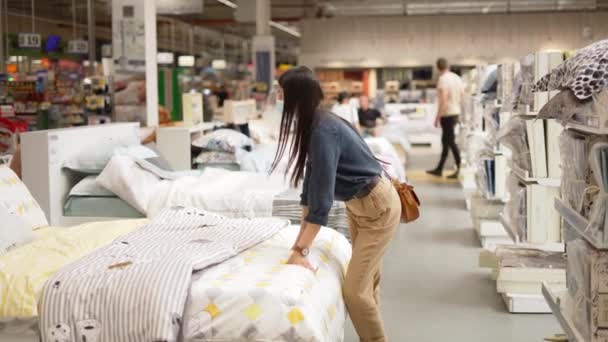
223, 140
88, 187
93, 162
17, 200
14, 231
125, 178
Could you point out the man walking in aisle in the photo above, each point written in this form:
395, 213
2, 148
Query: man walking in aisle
450, 91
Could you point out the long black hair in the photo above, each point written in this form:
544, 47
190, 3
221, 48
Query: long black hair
302, 96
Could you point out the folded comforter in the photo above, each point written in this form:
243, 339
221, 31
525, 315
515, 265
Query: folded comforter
136, 288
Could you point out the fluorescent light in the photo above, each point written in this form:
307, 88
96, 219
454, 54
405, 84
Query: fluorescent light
271, 23
285, 29
227, 3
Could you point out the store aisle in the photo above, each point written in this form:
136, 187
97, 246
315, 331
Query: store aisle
432, 289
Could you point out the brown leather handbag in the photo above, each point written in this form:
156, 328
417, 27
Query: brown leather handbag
410, 204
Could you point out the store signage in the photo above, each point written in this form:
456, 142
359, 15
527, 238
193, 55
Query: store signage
30, 40
218, 64
165, 58
186, 61
179, 6
106, 51
78, 47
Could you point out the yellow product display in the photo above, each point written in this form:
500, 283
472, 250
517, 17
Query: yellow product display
24, 270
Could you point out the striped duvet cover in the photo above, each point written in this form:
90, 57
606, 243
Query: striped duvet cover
136, 288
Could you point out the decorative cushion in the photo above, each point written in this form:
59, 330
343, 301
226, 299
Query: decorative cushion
585, 73
17, 200
93, 162
223, 140
214, 157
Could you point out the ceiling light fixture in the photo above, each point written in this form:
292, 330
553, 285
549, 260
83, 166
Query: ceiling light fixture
271, 23
228, 3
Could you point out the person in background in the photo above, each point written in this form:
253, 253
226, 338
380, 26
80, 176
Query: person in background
346, 111
222, 95
450, 93
368, 118
334, 162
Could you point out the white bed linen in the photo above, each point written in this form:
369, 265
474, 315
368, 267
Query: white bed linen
256, 297
386, 152
229, 193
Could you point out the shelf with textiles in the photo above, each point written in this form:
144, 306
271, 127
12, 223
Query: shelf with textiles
547, 246
579, 224
557, 303
524, 176
586, 128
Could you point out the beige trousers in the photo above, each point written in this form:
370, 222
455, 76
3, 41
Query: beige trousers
373, 221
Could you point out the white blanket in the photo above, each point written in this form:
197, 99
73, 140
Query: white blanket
386, 152
230, 193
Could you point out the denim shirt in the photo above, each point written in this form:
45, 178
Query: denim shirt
339, 165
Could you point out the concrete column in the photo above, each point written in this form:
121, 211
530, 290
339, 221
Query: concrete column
91, 27
134, 53
262, 17
263, 47
2, 33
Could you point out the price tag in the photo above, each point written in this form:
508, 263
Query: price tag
30, 40
78, 47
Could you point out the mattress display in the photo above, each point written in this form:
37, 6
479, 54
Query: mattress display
256, 297
92, 206
251, 296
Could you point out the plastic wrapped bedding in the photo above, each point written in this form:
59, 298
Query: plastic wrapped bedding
515, 208
514, 136
587, 270
575, 168
598, 161
566, 107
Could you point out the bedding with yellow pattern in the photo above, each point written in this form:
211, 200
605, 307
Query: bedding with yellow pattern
24, 270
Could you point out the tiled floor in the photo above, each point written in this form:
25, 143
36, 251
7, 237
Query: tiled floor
432, 288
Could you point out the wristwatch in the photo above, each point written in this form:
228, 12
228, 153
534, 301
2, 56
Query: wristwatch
304, 251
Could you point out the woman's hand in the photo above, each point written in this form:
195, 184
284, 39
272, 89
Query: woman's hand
297, 259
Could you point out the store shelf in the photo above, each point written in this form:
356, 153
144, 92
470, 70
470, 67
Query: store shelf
564, 319
524, 176
587, 129
525, 303
547, 247
579, 224
509, 229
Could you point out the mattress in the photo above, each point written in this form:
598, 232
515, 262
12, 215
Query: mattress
254, 296
96, 206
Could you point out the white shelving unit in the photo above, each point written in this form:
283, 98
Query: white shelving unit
174, 143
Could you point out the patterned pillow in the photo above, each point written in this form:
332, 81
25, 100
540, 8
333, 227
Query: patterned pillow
223, 140
214, 157
16, 198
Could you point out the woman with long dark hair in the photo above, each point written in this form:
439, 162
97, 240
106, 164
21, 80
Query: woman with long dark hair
334, 162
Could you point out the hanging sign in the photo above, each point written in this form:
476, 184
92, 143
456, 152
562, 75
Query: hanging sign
106, 51
30, 40
78, 47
